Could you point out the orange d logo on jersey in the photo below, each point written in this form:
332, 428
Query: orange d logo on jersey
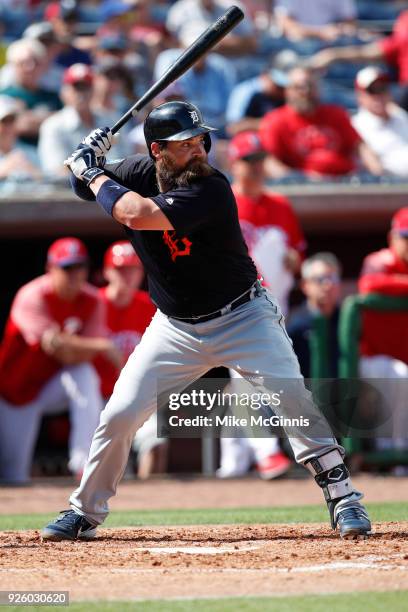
177, 246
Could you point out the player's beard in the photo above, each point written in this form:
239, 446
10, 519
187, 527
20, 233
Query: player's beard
170, 175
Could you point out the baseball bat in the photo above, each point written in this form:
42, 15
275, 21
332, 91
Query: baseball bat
210, 37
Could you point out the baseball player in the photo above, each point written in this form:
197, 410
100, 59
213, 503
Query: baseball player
181, 217
55, 328
129, 312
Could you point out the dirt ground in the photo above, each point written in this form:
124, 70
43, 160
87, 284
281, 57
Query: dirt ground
202, 561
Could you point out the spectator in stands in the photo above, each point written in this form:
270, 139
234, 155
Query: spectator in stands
28, 62
112, 89
384, 343
110, 47
251, 99
63, 16
55, 329
129, 312
312, 138
320, 283
391, 49
267, 219
147, 31
207, 84
61, 133
185, 15
380, 122
43, 32
16, 160
325, 21
117, 17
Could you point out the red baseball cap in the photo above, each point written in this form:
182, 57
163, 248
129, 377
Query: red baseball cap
78, 73
67, 252
66, 10
246, 146
399, 222
121, 254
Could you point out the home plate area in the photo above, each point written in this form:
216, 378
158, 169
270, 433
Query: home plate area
198, 561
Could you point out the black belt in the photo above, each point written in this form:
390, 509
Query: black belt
254, 291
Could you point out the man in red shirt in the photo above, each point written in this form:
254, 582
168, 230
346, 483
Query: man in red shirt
55, 329
391, 49
129, 312
384, 342
309, 137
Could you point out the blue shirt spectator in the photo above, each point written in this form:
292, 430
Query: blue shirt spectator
207, 85
251, 99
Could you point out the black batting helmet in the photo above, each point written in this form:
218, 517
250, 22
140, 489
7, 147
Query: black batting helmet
175, 120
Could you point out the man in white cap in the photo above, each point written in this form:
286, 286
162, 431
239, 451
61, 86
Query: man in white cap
381, 123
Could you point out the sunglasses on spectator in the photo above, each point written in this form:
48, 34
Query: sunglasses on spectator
81, 86
74, 267
380, 87
307, 86
334, 279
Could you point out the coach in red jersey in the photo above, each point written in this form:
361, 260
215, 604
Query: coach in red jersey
271, 229
384, 340
386, 271
313, 138
129, 312
55, 328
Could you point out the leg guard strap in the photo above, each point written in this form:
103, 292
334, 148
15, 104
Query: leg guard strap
333, 478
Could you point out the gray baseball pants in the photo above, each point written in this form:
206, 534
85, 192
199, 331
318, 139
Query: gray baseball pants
251, 339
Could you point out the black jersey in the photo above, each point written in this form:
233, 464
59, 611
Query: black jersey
201, 265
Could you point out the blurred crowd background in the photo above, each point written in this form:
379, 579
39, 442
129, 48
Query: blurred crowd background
69, 66
303, 93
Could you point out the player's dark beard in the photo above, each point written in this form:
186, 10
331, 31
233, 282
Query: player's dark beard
170, 175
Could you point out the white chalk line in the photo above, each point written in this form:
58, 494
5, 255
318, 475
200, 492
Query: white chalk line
195, 550
369, 562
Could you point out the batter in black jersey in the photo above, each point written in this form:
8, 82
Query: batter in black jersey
181, 217
203, 263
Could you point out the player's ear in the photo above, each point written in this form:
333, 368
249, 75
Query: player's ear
155, 149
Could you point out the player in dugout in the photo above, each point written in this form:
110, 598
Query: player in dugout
55, 329
181, 216
129, 311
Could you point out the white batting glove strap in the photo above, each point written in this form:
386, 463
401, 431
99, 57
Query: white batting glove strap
100, 140
83, 164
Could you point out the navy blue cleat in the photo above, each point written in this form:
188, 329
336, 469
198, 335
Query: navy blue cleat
69, 526
351, 518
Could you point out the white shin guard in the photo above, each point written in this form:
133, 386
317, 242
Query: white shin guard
331, 474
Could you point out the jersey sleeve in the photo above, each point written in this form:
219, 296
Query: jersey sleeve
30, 315
390, 48
200, 204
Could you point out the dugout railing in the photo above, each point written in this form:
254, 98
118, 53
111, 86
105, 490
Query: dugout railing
350, 331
